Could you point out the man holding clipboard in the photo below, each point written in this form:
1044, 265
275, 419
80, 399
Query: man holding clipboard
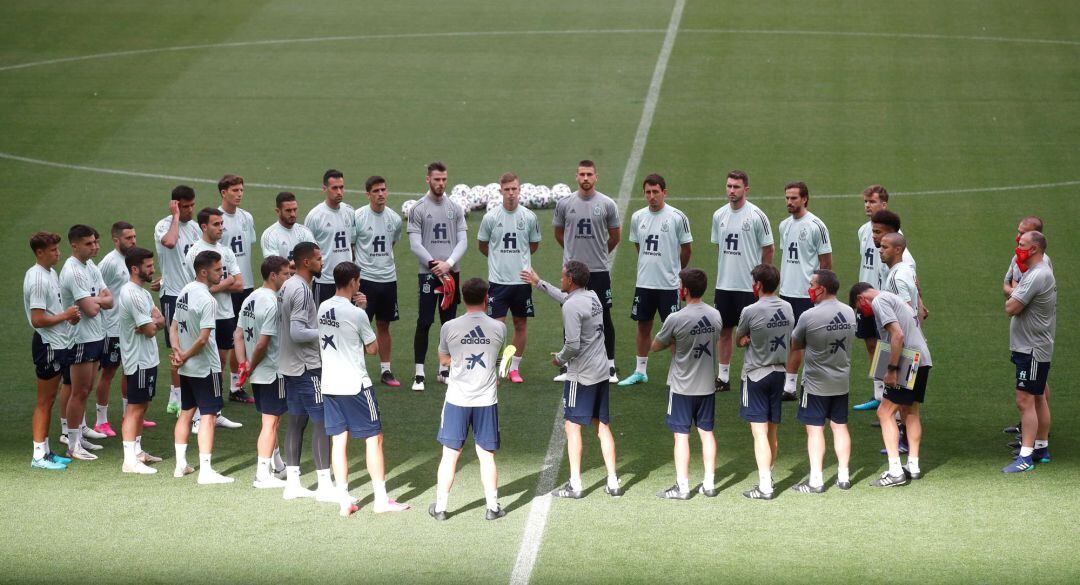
899, 332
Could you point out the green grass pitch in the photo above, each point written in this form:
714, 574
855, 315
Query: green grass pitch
953, 106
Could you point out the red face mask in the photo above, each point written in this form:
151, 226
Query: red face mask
1017, 238
813, 294
757, 290
682, 294
865, 308
1022, 258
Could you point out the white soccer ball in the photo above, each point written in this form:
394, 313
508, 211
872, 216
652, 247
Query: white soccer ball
477, 197
407, 206
560, 191
461, 191
493, 193
528, 195
492, 204
543, 197
462, 201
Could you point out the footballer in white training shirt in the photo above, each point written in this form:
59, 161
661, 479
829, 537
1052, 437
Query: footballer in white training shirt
238, 233
173, 236
115, 274
284, 234
332, 222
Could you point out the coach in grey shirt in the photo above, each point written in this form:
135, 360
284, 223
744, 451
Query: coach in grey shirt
822, 340
1033, 308
585, 391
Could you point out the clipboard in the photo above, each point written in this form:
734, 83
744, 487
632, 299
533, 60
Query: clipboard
909, 363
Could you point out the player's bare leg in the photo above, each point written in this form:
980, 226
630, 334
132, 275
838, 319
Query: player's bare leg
724, 351
643, 340
339, 461
607, 446
682, 461
447, 470
104, 384
489, 477
181, 433
842, 447
708, 458
82, 379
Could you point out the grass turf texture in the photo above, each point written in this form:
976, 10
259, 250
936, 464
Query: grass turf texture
916, 114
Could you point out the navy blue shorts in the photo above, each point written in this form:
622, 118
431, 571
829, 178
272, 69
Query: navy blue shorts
223, 333
582, 404
686, 411
270, 398
865, 327
1031, 375
239, 298
357, 413
381, 300
730, 303
814, 409
898, 395
48, 362
141, 385
168, 309
798, 306
648, 302
600, 283
82, 353
761, 400
515, 299
322, 291
111, 357
204, 393
456, 420
304, 395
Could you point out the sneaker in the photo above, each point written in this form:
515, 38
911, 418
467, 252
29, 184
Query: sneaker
279, 473
789, 397
46, 463
442, 376
390, 506
804, 487
615, 492
844, 485
635, 378
708, 493
89, 433
673, 493
562, 375
91, 446
440, 516
418, 384
63, 438
57, 458
226, 423
757, 494
722, 386
515, 377
182, 471
568, 492
912, 474
81, 454
1013, 430
1020, 464
495, 514
871, 404
389, 379
887, 480
241, 396
139, 468
144, 457
105, 429
1041, 455
292, 492
173, 408
268, 483
613, 376
209, 477
148, 424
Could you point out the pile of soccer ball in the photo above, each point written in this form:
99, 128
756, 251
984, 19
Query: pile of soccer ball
487, 197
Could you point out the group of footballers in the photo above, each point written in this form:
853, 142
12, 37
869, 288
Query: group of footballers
329, 296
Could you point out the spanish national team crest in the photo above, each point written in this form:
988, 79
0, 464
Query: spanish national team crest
596, 210
747, 225
450, 212
802, 235
664, 226
521, 223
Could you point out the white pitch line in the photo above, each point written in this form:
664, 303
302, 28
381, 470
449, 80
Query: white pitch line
532, 538
883, 35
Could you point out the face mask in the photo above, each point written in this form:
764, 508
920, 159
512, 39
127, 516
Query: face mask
682, 294
1022, 258
866, 308
757, 290
813, 294
1017, 238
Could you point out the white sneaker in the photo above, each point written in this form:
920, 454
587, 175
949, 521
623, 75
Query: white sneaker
81, 454
418, 383
90, 446
440, 378
90, 433
226, 423
138, 467
145, 457
64, 439
560, 378
182, 471
209, 476
268, 483
292, 492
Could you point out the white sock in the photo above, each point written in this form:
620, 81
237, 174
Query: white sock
292, 476
515, 363
913, 464
816, 478
276, 458
842, 474
129, 452
611, 363
612, 481
575, 483
879, 390
765, 481
384, 367
419, 369
138, 444
707, 482
642, 364
204, 463
1026, 451
40, 450
74, 438
684, 484
725, 373
379, 487
234, 381
790, 381
1042, 444
341, 484
262, 468
123, 412
442, 500
325, 483
174, 394
181, 454
492, 498
894, 467
63, 426
102, 414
